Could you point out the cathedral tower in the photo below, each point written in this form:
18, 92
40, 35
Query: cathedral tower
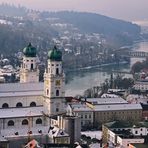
29, 71
54, 83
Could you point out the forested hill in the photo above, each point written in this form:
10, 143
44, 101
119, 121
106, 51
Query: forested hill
95, 23
19, 25
86, 22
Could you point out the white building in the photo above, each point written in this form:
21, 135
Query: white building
141, 85
26, 107
120, 139
102, 110
54, 84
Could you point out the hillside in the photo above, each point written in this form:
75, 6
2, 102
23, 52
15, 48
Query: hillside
117, 32
80, 36
95, 23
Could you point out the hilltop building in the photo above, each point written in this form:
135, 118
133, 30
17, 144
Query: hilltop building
31, 108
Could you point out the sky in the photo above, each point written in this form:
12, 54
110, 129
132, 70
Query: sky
123, 9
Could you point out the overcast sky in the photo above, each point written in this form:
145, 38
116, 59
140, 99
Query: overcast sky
123, 9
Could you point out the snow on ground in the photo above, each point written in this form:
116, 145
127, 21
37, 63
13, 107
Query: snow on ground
94, 145
5, 22
134, 99
93, 134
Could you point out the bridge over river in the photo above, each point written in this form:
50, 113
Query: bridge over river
132, 54
138, 54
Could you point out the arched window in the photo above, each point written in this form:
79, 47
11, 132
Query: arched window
32, 104
57, 92
25, 122
39, 121
11, 123
5, 105
19, 104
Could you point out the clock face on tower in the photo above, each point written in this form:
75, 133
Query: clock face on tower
58, 83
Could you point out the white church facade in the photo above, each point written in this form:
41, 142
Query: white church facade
26, 107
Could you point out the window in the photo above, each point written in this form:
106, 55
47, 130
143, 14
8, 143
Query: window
25, 122
19, 104
39, 121
136, 132
5, 105
32, 104
57, 109
89, 116
57, 92
11, 123
47, 91
85, 116
57, 71
31, 66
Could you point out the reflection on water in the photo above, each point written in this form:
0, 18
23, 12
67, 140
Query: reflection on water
77, 82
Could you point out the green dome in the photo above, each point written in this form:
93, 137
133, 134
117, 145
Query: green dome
29, 51
55, 54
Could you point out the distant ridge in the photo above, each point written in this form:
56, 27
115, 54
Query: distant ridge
116, 32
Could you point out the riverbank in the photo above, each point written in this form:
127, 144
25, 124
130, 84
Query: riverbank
80, 80
97, 66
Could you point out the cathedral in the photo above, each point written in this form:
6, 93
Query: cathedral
31, 107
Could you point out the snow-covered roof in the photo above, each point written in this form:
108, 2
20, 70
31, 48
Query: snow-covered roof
21, 89
132, 98
107, 107
142, 82
21, 112
105, 95
116, 100
21, 93
10, 132
116, 90
95, 145
3, 139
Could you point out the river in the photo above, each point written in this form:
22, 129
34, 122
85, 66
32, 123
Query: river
78, 82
